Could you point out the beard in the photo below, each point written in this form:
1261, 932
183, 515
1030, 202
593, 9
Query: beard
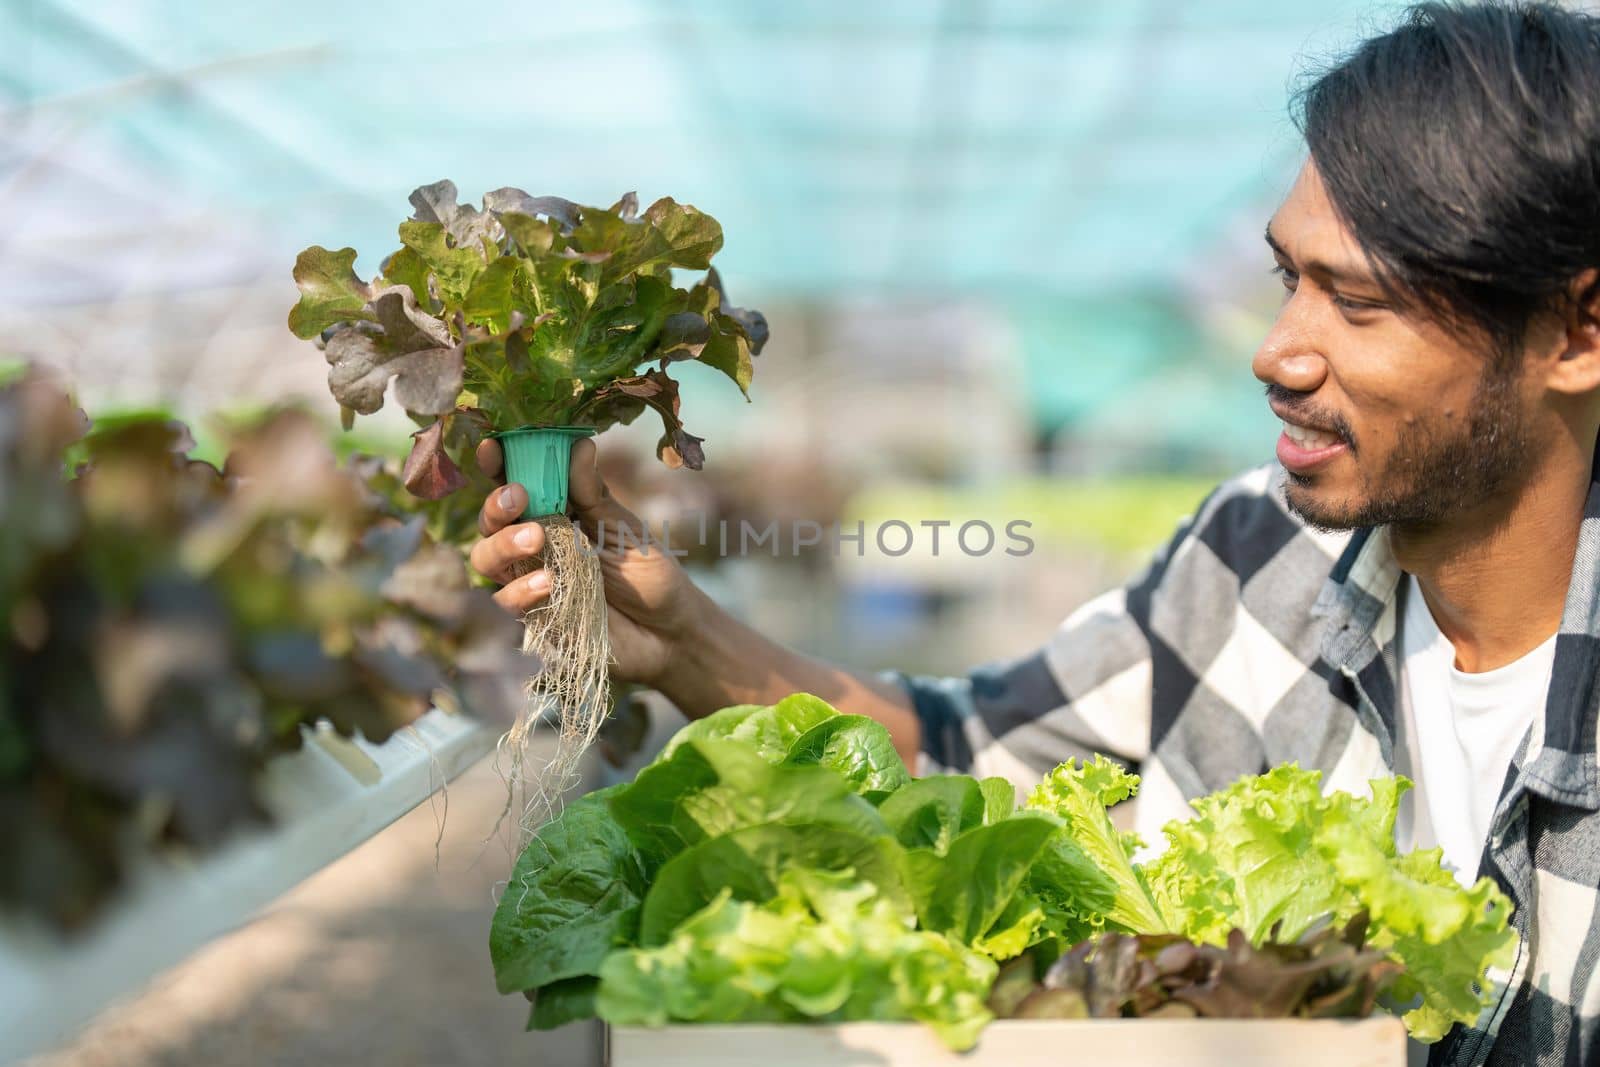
1437, 471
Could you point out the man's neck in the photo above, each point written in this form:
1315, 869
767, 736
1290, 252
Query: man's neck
1496, 580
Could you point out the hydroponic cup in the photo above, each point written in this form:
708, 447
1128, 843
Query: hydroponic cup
537, 458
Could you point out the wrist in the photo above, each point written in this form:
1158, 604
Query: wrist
688, 642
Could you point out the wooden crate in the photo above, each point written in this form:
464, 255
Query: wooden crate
1375, 1042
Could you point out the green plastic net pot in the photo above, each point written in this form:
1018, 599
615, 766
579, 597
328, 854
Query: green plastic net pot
538, 458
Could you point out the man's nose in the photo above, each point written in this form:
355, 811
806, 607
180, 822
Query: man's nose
1289, 356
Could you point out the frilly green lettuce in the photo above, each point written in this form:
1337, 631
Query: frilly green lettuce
1447, 937
1079, 794
1272, 856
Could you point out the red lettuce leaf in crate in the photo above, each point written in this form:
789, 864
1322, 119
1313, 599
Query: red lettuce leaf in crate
1326, 973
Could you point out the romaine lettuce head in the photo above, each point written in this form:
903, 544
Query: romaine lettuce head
574, 896
707, 788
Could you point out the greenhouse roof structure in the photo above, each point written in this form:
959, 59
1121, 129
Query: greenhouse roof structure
1041, 154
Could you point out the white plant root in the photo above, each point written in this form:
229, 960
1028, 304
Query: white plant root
568, 634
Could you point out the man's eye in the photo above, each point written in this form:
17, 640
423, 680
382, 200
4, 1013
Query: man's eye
1289, 277
1346, 303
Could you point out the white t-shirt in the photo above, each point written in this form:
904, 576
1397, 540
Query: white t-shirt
1458, 732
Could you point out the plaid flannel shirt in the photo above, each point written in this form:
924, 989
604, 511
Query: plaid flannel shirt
1253, 640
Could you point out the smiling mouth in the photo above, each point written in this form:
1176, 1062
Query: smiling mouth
1292, 409
1308, 438
1305, 449
1302, 449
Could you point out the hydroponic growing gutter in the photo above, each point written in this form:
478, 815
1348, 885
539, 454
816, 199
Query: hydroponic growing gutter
325, 799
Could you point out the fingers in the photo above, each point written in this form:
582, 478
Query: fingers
490, 458
596, 510
526, 593
502, 508
496, 555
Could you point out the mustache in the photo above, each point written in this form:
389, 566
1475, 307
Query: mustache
1306, 413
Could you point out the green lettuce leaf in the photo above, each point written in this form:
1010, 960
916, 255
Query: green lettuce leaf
1250, 853
453, 268
1448, 938
1188, 888
859, 749
1079, 794
1020, 925
575, 895
999, 798
718, 726
708, 788
718, 966
566, 1001
330, 292
770, 730
1074, 894
774, 731
824, 947
733, 334
964, 890
750, 863
932, 812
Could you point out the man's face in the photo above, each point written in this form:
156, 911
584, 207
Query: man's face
1389, 418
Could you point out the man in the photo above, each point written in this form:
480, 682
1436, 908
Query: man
1411, 588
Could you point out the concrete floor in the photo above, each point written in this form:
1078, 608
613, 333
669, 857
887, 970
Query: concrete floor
380, 958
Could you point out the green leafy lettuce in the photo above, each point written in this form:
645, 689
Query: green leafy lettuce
823, 946
1080, 794
1445, 936
543, 931
778, 863
1272, 857
774, 863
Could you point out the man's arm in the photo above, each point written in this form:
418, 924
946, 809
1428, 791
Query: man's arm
665, 632
723, 661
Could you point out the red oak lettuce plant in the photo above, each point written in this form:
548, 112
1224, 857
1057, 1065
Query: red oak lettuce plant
533, 311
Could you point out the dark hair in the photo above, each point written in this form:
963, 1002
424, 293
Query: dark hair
1462, 150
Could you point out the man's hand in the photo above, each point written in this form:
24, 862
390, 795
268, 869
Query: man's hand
649, 599
665, 633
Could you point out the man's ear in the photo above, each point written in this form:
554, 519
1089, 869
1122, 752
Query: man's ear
1578, 369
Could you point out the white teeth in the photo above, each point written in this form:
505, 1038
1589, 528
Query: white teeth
1309, 439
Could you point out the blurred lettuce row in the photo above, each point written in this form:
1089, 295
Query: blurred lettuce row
172, 626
